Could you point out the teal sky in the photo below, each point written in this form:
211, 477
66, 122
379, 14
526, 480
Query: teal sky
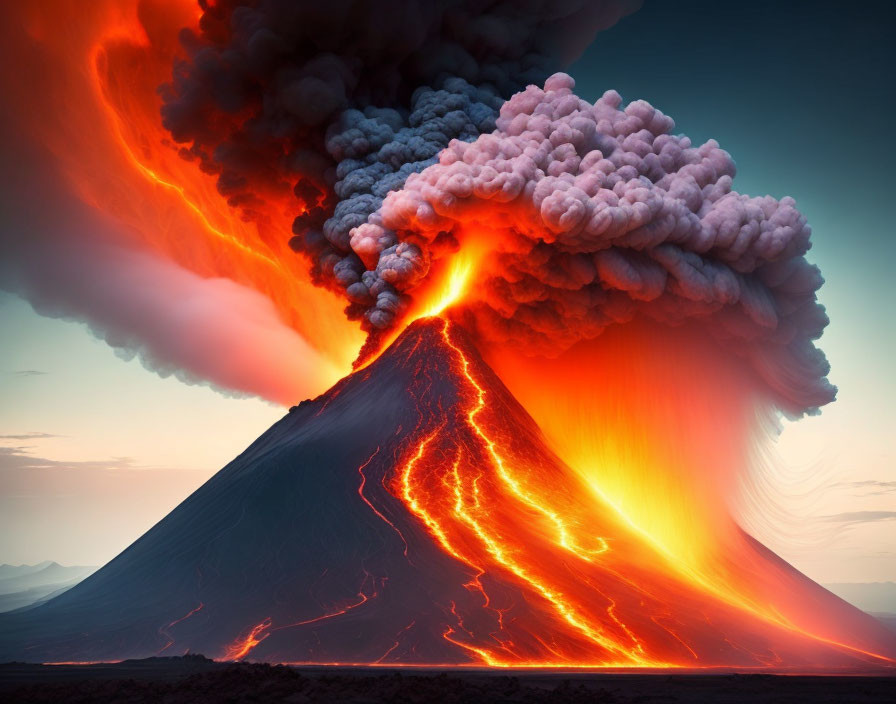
803, 98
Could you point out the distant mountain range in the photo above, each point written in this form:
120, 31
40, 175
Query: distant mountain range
875, 598
23, 586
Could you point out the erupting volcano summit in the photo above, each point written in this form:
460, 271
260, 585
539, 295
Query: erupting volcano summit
560, 333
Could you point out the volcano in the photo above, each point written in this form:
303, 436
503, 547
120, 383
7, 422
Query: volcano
415, 514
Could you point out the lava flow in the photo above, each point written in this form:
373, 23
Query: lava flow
505, 513
541, 572
166, 629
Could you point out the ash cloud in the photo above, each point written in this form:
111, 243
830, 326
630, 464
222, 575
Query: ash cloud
339, 103
598, 213
385, 125
68, 262
393, 136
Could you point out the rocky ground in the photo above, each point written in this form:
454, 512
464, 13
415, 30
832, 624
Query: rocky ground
196, 679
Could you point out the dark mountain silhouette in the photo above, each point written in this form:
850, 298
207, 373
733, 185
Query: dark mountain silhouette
304, 549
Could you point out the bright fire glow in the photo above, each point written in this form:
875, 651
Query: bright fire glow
657, 422
619, 599
453, 285
243, 645
664, 444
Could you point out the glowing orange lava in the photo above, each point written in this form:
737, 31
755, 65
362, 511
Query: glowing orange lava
608, 596
664, 445
241, 647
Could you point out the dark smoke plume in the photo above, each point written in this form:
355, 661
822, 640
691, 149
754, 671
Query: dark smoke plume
341, 101
386, 121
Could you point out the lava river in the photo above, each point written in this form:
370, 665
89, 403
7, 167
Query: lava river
552, 577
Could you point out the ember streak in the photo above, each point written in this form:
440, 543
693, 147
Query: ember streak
166, 629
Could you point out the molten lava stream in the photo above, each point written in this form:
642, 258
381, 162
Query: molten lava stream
454, 506
245, 643
596, 592
166, 629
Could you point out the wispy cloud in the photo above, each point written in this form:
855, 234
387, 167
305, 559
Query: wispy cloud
853, 517
28, 372
82, 512
870, 487
12, 458
30, 436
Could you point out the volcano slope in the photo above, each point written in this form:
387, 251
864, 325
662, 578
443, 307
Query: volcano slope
414, 514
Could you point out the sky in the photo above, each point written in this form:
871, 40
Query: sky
94, 448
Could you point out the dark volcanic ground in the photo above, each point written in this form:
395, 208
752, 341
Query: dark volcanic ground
196, 679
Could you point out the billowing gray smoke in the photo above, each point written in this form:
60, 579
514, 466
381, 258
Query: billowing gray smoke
388, 121
70, 261
376, 152
341, 101
594, 214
